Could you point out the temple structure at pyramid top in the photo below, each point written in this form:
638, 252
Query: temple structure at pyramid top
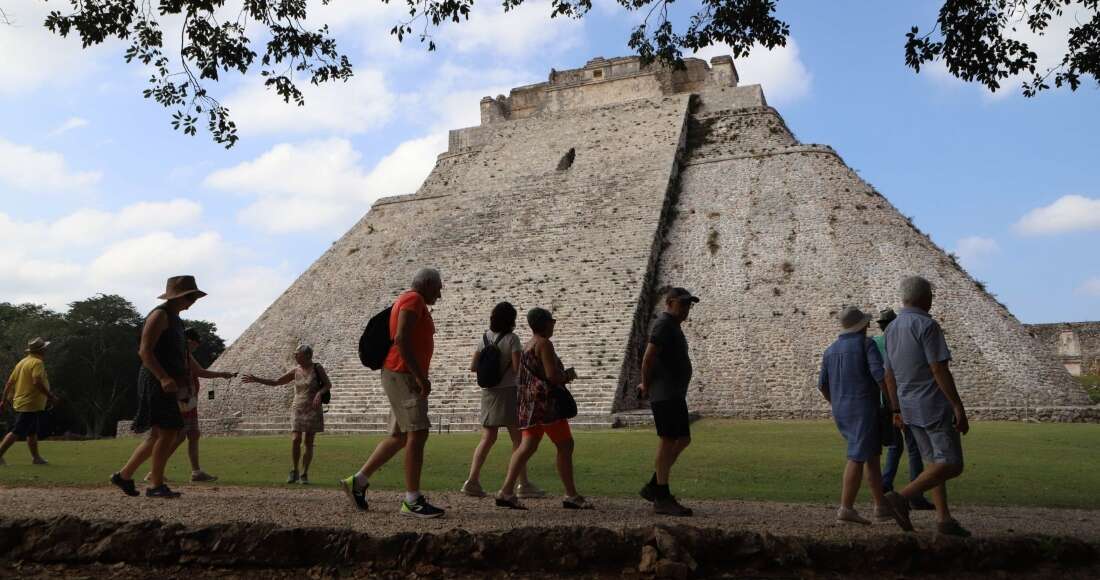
588, 193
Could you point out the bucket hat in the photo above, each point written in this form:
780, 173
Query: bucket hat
178, 286
853, 319
39, 344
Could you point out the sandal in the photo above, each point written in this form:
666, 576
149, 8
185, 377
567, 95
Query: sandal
577, 502
511, 503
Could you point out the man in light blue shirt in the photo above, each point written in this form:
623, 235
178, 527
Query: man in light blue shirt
923, 396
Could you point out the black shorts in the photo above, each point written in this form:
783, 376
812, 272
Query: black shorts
30, 423
671, 418
155, 407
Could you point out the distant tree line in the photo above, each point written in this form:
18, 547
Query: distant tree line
92, 361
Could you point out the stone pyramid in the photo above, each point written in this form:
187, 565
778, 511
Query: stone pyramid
587, 193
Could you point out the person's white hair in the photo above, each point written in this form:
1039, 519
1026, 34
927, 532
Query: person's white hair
425, 276
304, 349
914, 289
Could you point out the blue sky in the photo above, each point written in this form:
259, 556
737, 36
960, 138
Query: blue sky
100, 195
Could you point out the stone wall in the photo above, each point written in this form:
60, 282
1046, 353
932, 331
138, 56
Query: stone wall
1075, 344
587, 205
776, 237
502, 222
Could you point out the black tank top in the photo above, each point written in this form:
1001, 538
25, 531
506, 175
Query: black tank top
171, 348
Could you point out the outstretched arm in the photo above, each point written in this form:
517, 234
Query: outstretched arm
285, 379
207, 374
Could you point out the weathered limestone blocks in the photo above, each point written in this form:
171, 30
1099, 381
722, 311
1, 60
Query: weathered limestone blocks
587, 193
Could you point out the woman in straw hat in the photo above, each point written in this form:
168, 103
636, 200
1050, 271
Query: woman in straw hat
165, 367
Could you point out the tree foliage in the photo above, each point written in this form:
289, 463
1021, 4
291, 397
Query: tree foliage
92, 361
977, 40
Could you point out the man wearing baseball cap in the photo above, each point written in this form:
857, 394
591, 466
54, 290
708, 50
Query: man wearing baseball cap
666, 373
29, 390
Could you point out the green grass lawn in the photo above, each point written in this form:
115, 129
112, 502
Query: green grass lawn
1054, 465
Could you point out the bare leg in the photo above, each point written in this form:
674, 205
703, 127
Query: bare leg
193, 450
939, 497
6, 444
668, 451
414, 458
565, 466
32, 445
179, 440
527, 448
850, 484
383, 452
307, 458
933, 475
481, 452
162, 450
872, 471
517, 438
142, 453
295, 449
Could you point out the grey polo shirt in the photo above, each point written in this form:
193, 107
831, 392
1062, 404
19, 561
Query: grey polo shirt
912, 342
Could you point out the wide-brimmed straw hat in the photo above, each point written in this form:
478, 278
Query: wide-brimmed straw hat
39, 344
178, 286
853, 319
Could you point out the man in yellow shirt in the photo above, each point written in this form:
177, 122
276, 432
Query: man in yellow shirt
29, 390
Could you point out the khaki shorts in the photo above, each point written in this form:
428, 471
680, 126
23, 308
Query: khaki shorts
408, 411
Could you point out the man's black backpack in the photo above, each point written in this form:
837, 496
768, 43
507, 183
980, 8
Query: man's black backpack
488, 362
375, 342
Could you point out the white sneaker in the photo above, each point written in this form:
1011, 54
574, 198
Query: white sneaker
883, 514
851, 516
529, 491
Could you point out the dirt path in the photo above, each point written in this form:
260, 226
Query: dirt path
320, 507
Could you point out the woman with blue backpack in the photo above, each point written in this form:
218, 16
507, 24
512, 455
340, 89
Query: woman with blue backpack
496, 362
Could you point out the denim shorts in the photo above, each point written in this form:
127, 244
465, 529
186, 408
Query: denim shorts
939, 442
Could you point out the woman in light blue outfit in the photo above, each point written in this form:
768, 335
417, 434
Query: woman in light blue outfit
851, 380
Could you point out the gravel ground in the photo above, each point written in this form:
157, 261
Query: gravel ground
320, 507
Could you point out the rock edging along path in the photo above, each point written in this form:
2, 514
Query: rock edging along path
672, 551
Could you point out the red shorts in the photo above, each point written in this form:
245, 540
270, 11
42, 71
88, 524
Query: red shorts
558, 431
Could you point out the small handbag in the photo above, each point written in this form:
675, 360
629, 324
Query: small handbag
565, 406
561, 402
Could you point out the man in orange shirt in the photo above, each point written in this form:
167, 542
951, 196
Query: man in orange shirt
405, 381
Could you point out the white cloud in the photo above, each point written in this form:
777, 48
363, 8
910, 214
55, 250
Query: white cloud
302, 187
361, 104
521, 32
406, 168
154, 256
34, 57
973, 251
1068, 213
1090, 287
28, 169
69, 124
779, 71
131, 252
327, 169
87, 228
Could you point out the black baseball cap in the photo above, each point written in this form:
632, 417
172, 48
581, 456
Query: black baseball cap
681, 294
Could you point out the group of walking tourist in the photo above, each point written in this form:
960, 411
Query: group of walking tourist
895, 391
